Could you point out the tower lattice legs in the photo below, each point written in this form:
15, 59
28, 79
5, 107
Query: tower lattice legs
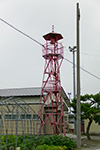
51, 111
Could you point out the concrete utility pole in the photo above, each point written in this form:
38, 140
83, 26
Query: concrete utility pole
78, 127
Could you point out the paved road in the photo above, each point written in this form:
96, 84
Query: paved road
93, 144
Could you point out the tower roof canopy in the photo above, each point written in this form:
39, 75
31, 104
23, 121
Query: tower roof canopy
53, 35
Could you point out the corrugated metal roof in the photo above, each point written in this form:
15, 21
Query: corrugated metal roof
32, 91
20, 92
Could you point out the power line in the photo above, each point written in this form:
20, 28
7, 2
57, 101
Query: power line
93, 55
21, 32
84, 70
43, 45
87, 54
90, 73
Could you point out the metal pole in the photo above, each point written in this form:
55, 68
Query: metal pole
73, 49
78, 81
6, 139
74, 91
16, 128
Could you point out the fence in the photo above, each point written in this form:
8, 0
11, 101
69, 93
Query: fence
16, 118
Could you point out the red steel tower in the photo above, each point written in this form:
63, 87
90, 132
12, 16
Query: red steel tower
51, 105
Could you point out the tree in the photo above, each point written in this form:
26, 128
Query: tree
90, 109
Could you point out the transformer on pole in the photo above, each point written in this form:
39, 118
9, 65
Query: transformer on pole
51, 111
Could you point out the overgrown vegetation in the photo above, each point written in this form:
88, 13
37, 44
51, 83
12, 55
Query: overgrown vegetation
49, 142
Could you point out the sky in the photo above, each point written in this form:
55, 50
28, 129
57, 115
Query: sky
21, 61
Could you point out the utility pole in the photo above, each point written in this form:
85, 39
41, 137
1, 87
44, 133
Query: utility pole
78, 79
74, 89
73, 50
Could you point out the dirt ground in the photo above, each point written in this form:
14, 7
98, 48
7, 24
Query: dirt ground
93, 144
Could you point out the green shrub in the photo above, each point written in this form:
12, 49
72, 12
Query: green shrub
55, 142
58, 140
10, 141
51, 147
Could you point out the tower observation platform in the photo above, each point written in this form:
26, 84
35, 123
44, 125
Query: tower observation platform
52, 47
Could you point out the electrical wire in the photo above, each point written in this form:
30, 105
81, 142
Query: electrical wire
90, 73
44, 46
84, 70
21, 32
93, 55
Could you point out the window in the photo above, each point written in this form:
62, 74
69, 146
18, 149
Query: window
7, 117
65, 118
28, 116
0, 117
25, 116
11, 117
36, 117
71, 120
14, 117
22, 116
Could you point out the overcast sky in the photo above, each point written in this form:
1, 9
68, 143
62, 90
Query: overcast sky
21, 62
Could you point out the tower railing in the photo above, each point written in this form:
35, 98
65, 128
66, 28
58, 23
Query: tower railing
56, 49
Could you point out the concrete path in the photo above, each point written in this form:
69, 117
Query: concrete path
93, 144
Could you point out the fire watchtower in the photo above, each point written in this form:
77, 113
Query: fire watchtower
51, 85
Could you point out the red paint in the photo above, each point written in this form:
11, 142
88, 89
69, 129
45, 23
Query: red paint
51, 98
